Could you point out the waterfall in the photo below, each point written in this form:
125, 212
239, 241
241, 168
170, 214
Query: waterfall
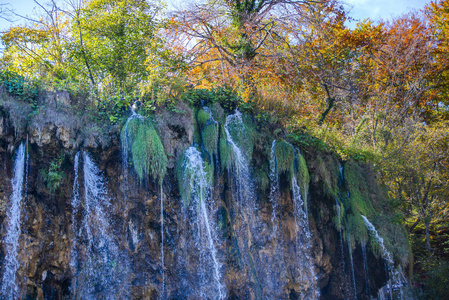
234, 129
162, 242
242, 188
396, 278
275, 193
76, 205
10, 288
354, 287
303, 237
100, 269
365, 269
343, 265
198, 181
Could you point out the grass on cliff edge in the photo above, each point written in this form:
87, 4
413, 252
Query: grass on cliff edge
147, 153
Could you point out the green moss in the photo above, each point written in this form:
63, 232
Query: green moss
356, 227
209, 136
202, 117
244, 136
262, 177
326, 170
355, 182
218, 112
395, 238
285, 157
225, 150
147, 153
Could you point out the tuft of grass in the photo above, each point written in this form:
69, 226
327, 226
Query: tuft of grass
285, 157
147, 153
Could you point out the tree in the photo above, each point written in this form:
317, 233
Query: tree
438, 14
114, 40
227, 37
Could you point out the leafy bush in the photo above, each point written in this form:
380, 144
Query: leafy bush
436, 279
227, 98
54, 176
18, 86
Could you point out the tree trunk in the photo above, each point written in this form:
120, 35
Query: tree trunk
427, 223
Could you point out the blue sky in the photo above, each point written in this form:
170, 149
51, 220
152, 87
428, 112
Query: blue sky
382, 9
361, 9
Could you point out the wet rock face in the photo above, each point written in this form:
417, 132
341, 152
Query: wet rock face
47, 237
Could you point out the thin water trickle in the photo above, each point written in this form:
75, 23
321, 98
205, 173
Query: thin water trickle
10, 287
275, 193
354, 287
343, 265
197, 179
162, 242
365, 269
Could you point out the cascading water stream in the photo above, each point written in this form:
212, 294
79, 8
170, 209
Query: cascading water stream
162, 241
343, 265
353, 282
243, 194
354, 287
10, 288
197, 179
303, 236
397, 279
234, 129
100, 269
277, 262
365, 269
275, 193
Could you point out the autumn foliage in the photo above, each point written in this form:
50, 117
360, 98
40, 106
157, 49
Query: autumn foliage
376, 91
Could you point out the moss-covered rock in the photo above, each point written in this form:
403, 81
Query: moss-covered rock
202, 117
325, 170
209, 137
188, 180
225, 150
261, 175
243, 132
358, 199
147, 153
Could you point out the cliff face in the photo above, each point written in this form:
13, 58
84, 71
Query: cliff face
210, 229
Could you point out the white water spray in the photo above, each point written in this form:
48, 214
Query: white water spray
10, 288
100, 269
196, 177
303, 236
